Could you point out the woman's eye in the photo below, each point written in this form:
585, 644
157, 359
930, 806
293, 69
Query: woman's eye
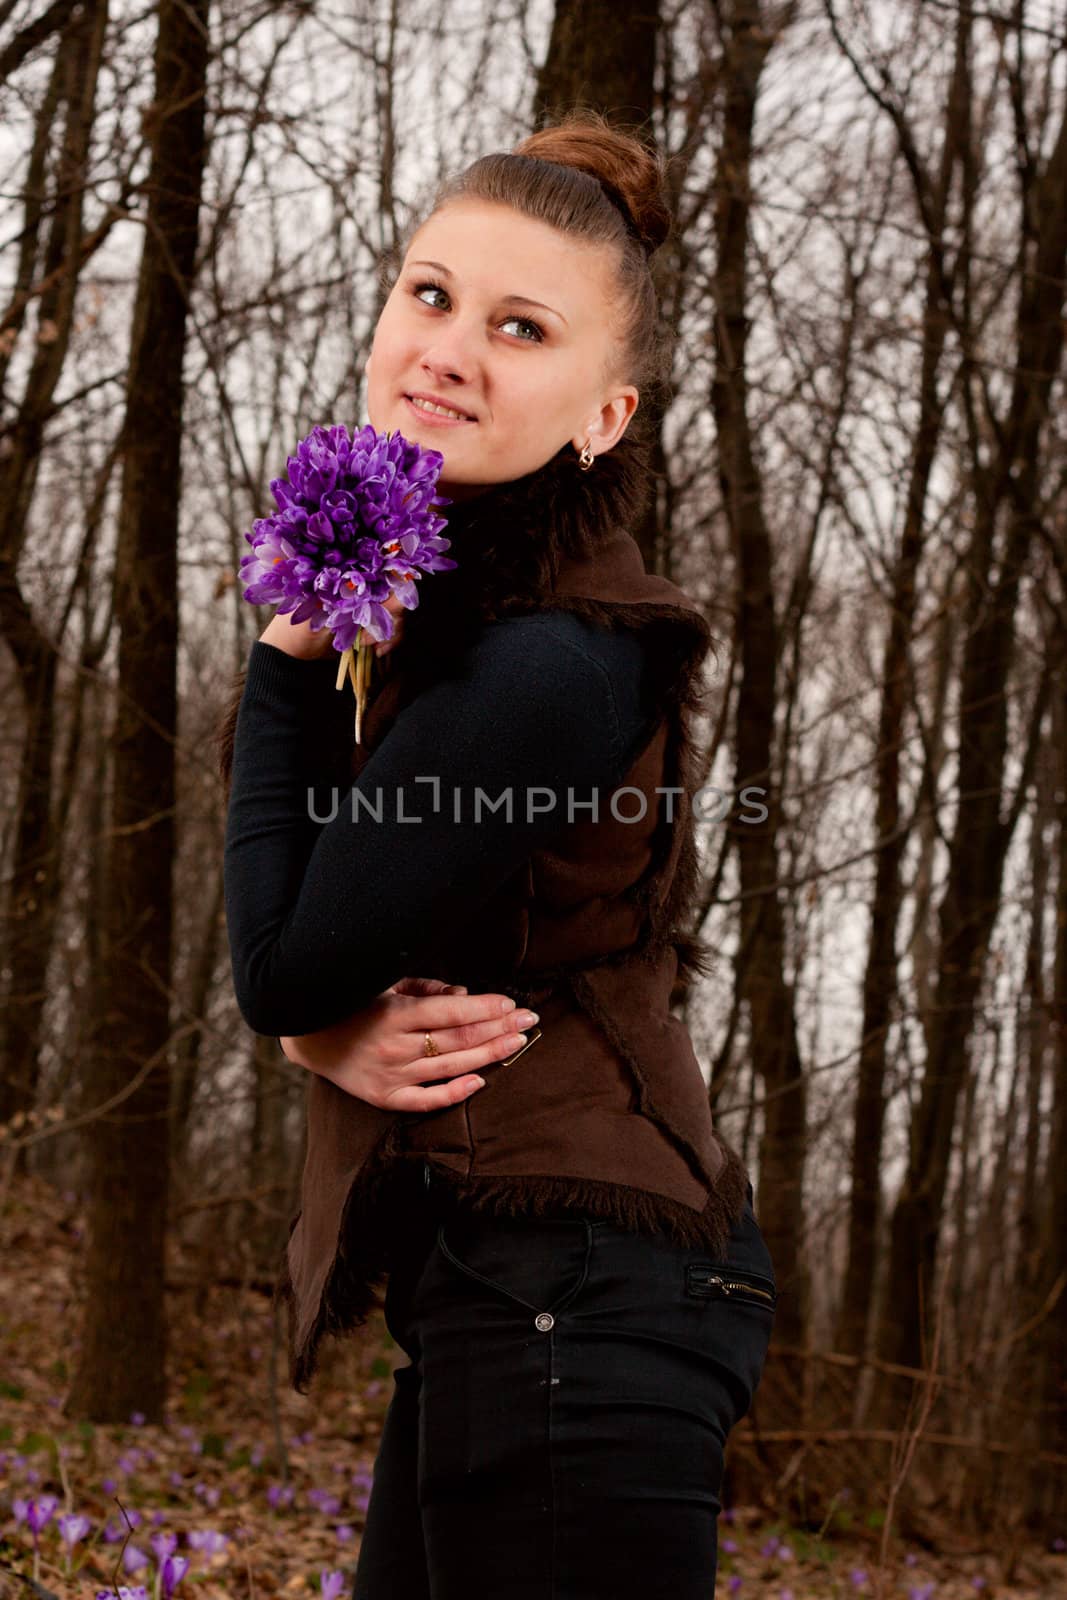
523, 322
434, 287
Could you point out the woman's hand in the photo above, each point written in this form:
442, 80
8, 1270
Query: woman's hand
378, 1054
297, 639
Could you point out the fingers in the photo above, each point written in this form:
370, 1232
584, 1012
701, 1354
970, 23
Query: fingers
453, 1064
422, 986
431, 1012
433, 1098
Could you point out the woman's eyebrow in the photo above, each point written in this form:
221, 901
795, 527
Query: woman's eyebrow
507, 299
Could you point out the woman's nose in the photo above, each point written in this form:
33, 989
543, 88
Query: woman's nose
452, 357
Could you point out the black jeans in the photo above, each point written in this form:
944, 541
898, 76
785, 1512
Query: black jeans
559, 1433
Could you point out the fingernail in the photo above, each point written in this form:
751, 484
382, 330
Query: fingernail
526, 1019
506, 1006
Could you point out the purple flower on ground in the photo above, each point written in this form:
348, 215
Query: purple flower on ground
38, 1512
280, 1494
72, 1527
785, 1552
344, 1532
728, 1546
137, 1418
910, 1558
133, 1559
163, 1544
331, 1583
256, 1455
734, 1582
770, 1546
109, 1485
171, 1573
125, 1593
921, 1591
19, 1508
209, 1540
326, 1502
858, 1578
785, 1594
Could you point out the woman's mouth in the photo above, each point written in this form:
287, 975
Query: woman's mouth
439, 416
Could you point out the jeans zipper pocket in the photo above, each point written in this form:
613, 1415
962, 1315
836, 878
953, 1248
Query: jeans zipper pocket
730, 1283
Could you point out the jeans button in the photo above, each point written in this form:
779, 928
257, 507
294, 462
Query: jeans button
543, 1321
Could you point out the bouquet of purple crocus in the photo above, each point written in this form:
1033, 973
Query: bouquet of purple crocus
355, 523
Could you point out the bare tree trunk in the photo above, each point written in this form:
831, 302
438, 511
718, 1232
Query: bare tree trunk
123, 1357
601, 53
772, 1022
880, 973
1046, 1490
986, 816
33, 889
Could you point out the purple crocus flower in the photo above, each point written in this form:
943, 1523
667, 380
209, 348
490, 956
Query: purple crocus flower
366, 498
728, 1547
858, 1578
208, 1540
355, 524
331, 1583
72, 1527
38, 1512
133, 1559
163, 1544
734, 1582
327, 1502
171, 1573
279, 1494
920, 1591
344, 1532
124, 1592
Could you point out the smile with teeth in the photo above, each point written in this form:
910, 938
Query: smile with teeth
441, 411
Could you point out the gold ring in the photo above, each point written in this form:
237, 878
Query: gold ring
431, 1049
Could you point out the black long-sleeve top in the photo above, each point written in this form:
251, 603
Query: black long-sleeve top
327, 904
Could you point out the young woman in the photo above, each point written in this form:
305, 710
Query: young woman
504, 1117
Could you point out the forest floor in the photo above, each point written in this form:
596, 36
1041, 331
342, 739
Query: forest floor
263, 1491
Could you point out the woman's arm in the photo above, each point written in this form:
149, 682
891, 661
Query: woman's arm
323, 915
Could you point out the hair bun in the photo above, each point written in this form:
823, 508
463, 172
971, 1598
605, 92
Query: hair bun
630, 170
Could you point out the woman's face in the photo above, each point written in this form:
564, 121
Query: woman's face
460, 326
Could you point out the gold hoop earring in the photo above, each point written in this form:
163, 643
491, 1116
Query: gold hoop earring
586, 459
